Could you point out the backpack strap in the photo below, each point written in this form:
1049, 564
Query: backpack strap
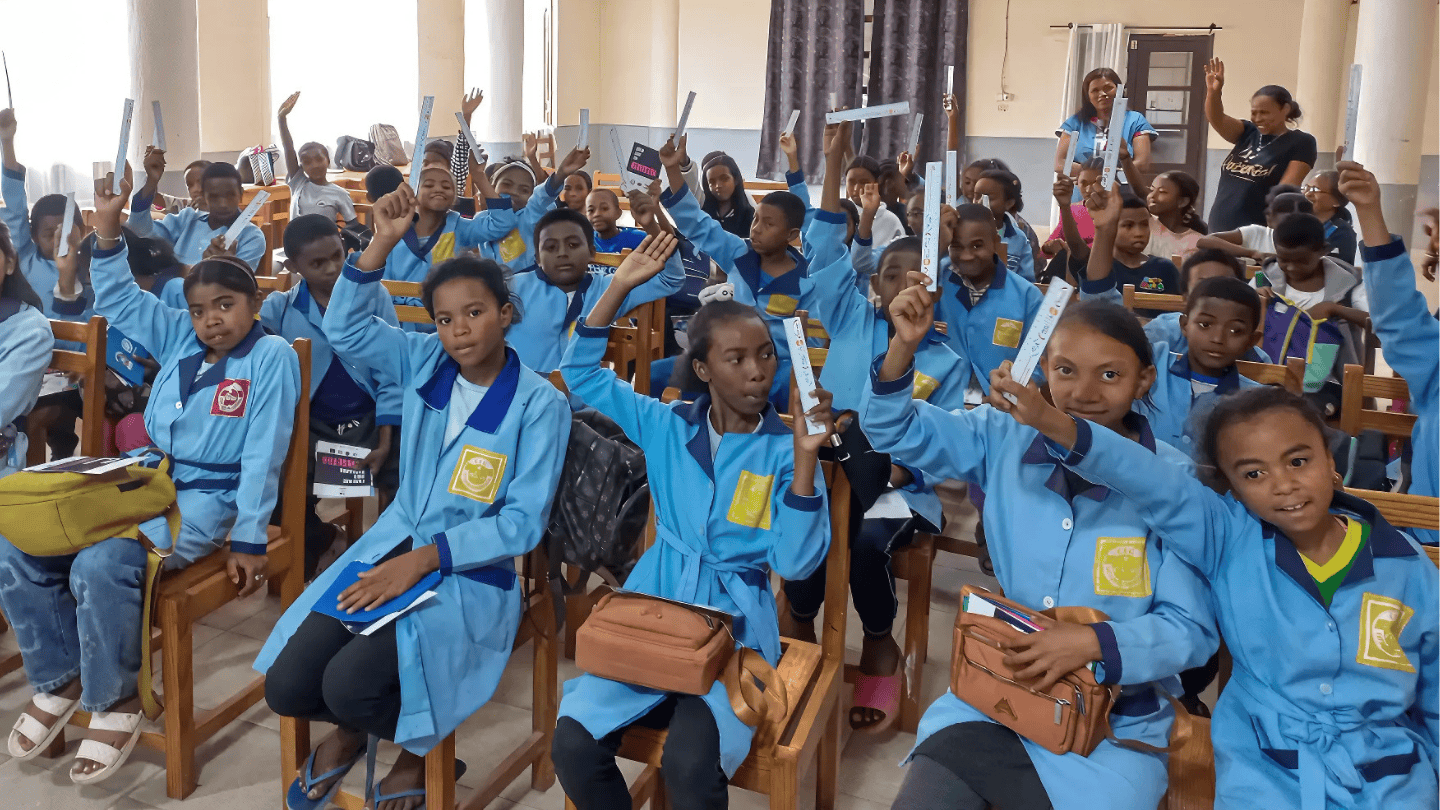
755, 689
1180, 731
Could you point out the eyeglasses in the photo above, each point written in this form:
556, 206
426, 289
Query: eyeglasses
1315, 189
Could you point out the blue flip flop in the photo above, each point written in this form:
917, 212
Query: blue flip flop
372, 788
298, 796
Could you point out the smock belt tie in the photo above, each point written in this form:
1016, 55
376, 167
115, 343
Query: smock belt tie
766, 633
1316, 739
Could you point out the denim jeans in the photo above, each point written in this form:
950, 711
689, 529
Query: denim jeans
78, 614
872, 582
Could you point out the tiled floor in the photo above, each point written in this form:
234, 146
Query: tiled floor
240, 766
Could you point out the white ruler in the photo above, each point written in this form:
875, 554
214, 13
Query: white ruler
790, 125
952, 179
804, 374
930, 242
1352, 113
1050, 310
1070, 152
866, 113
66, 224
584, 129
1116, 134
915, 133
421, 134
475, 150
159, 125
684, 118
124, 149
241, 221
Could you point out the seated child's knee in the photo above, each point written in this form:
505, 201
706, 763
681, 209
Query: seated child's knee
573, 748
117, 559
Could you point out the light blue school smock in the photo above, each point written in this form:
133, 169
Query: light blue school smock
482, 499
227, 429
190, 232
412, 259
721, 526
296, 314
1056, 540
1410, 336
1333, 707
1176, 413
1019, 253
38, 270
1134, 125
990, 332
515, 246
26, 346
549, 314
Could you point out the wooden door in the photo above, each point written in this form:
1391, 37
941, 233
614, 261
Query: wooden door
1166, 81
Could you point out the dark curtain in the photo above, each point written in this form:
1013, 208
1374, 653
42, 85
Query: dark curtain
911, 43
816, 48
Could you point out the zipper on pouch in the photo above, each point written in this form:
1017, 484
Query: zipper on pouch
1059, 702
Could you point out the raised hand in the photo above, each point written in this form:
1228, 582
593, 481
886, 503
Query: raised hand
906, 163
1357, 184
392, 215
837, 138
471, 102
573, 162
108, 206
684, 155
646, 261
788, 145
1030, 406
821, 414
154, 163
217, 248
1063, 189
1214, 75
870, 198
951, 104
1104, 207
288, 104
949, 225
7, 124
670, 156
912, 311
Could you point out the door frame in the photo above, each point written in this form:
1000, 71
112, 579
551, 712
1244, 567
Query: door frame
1203, 47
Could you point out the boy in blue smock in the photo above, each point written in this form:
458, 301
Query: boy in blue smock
564, 285
1408, 332
198, 234
531, 200
481, 453
737, 495
1198, 266
602, 208
349, 404
222, 408
1002, 189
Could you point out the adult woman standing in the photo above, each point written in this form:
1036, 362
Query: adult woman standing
1267, 151
1091, 125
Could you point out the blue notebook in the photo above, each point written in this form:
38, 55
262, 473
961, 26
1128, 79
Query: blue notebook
360, 620
121, 360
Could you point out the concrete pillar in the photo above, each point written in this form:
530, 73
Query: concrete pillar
1320, 86
236, 111
165, 44
1395, 41
441, 33
497, 33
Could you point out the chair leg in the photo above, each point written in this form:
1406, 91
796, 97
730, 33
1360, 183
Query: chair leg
440, 775
659, 800
785, 781
294, 749
178, 677
827, 766
544, 713
917, 636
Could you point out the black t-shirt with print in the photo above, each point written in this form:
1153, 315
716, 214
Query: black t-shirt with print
1156, 275
1252, 168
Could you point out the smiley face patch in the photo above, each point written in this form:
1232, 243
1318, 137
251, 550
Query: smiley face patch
1008, 333
1382, 620
477, 475
1122, 567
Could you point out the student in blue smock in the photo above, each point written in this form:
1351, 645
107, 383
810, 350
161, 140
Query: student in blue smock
198, 234
481, 454
767, 272
1408, 332
1002, 189
1056, 539
564, 285
350, 404
1091, 126
440, 233
531, 200
26, 345
1329, 612
1198, 266
737, 495
894, 500
222, 407
987, 309
602, 208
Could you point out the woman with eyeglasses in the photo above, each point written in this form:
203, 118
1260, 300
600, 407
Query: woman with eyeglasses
1323, 191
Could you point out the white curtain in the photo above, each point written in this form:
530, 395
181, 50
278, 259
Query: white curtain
69, 63
1092, 45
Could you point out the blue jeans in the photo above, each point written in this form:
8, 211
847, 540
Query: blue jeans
78, 614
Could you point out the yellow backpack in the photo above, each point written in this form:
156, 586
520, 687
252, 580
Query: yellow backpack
52, 513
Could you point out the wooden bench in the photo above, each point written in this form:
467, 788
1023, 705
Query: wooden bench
1359, 387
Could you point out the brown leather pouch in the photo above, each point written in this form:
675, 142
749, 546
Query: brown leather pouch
672, 646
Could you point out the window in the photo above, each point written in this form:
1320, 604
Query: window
344, 90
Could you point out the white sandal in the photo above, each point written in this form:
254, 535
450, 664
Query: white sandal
110, 757
37, 732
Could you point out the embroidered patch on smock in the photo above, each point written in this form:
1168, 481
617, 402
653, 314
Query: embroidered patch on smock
477, 475
1382, 620
750, 505
1008, 333
777, 304
512, 246
230, 398
444, 248
925, 385
1121, 567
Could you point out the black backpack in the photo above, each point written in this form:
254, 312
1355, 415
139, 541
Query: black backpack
601, 504
354, 154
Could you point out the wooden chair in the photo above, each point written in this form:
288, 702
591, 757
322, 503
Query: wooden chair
1357, 387
1290, 376
813, 673
282, 281
537, 625
1152, 301
185, 596
403, 312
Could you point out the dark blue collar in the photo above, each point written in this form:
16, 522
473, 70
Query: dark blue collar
695, 413
1229, 381
413, 242
748, 266
303, 298
1385, 541
577, 301
1067, 484
1008, 226
491, 411
189, 366
962, 292
8, 307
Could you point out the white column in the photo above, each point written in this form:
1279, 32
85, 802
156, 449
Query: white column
1320, 87
499, 120
164, 47
1395, 41
441, 31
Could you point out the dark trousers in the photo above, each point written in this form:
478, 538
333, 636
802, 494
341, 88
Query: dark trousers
690, 763
969, 766
872, 583
330, 674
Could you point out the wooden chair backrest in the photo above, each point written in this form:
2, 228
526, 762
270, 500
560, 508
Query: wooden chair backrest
1290, 376
1357, 386
407, 313
282, 281
1406, 511
1134, 300
91, 364
610, 259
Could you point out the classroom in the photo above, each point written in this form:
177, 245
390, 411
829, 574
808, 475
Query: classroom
368, 370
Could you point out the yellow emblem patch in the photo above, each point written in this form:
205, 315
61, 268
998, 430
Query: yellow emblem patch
1121, 567
444, 248
477, 475
1008, 333
1382, 620
750, 506
512, 246
925, 385
784, 305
